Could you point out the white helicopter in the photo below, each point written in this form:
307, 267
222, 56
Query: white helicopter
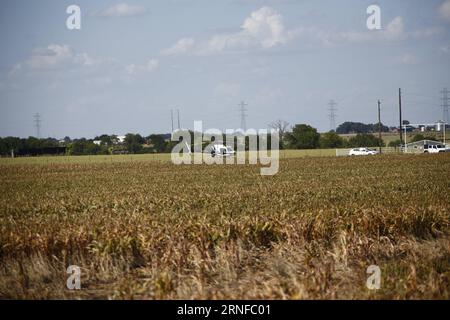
221, 150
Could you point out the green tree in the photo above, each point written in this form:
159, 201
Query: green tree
133, 142
92, 148
158, 142
303, 136
358, 127
10, 143
105, 139
418, 137
395, 143
331, 140
77, 147
365, 140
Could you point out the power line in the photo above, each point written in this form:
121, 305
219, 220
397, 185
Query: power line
415, 94
400, 114
332, 114
379, 126
243, 111
178, 118
37, 124
445, 98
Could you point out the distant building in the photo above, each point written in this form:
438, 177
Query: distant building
421, 146
120, 151
97, 142
121, 139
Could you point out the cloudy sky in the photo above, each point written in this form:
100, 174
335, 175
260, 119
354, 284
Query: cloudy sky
132, 62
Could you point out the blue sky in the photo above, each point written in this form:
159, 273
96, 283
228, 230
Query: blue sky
134, 61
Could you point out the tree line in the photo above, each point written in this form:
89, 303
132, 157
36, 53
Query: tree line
358, 127
304, 136
109, 144
301, 136
25, 146
104, 144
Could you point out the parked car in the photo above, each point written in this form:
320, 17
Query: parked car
437, 148
362, 152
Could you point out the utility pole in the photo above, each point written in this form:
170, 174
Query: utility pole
178, 116
243, 111
379, 126
332, 114
400, 114
445, 98
171, 117
37, 123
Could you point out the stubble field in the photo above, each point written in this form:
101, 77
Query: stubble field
153, 230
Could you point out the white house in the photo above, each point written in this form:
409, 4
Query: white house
120, 139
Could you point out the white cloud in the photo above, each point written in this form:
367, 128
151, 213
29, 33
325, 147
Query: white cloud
122, 10
266, 26
426, 33
263, 29
444, 10
445, 49
395, 29
134, 69
50, 57
408, 59
152, 64
182, 46
85, 60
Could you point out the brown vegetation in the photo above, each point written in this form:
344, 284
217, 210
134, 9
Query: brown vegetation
153, 230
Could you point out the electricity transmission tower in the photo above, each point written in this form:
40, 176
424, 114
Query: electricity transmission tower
332, 114
178, 118
244, 115
445, 98
37, 124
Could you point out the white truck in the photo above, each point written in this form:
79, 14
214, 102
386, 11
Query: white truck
436, 148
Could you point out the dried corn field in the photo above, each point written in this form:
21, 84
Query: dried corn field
153, 230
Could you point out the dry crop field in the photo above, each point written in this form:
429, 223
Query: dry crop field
153, 230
